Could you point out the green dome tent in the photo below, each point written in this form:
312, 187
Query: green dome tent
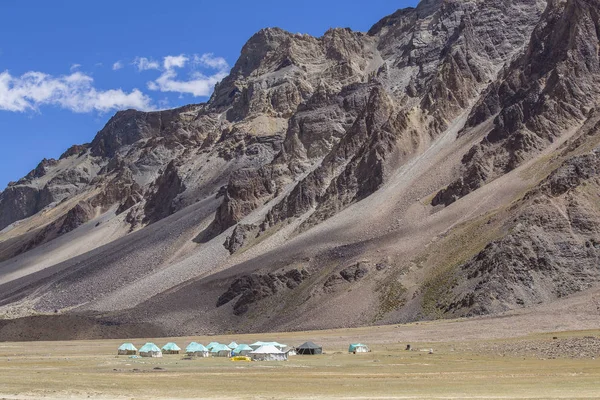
150, 350
220, 350
242, 350
232, 345
171, 348
127, 349
197, 350
191, 345
358, 348
212, 344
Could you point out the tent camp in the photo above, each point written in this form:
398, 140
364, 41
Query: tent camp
150, 350
268, 353
309, 348
358, 348
242, 350
232, 345
220, 350
127, 349
196, 350
290, 351
171, 348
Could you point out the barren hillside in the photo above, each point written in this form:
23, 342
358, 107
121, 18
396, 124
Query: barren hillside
443, 164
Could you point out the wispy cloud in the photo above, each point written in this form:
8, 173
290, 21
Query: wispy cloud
74, 92
75, 67
198, 84
117, 66
144, 64
208, 60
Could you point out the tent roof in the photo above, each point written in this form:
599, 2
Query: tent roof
149, 347
219, 347
309, 345
242, 347
232, 345
127, 346
259, 343
276, 344
194, 347
212, 344
171, 347
356, 345
267, 349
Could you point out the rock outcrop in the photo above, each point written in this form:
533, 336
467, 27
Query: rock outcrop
239, 237
351, 274
250, 289
165, 189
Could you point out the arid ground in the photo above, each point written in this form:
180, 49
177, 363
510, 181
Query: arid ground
550, 365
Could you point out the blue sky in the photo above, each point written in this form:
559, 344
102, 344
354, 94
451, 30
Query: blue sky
67, 66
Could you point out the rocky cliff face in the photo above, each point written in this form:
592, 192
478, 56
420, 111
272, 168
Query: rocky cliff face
424, 67
317, 157
551, 87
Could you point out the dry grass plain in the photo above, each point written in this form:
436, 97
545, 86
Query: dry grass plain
463, 369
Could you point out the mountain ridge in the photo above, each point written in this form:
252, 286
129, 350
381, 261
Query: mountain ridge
346, 180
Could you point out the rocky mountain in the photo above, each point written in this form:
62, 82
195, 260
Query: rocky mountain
442, 164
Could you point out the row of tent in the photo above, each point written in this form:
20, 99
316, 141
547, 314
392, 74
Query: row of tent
257, 351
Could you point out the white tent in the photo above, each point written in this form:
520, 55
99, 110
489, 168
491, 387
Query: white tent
268, 353
258, 344
290, 351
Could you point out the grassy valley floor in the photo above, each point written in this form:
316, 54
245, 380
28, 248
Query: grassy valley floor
562, 365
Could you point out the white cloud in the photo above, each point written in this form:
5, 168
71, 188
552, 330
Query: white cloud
117, 66
75, 67
74, 92
199, 85
171, 62
144, 64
